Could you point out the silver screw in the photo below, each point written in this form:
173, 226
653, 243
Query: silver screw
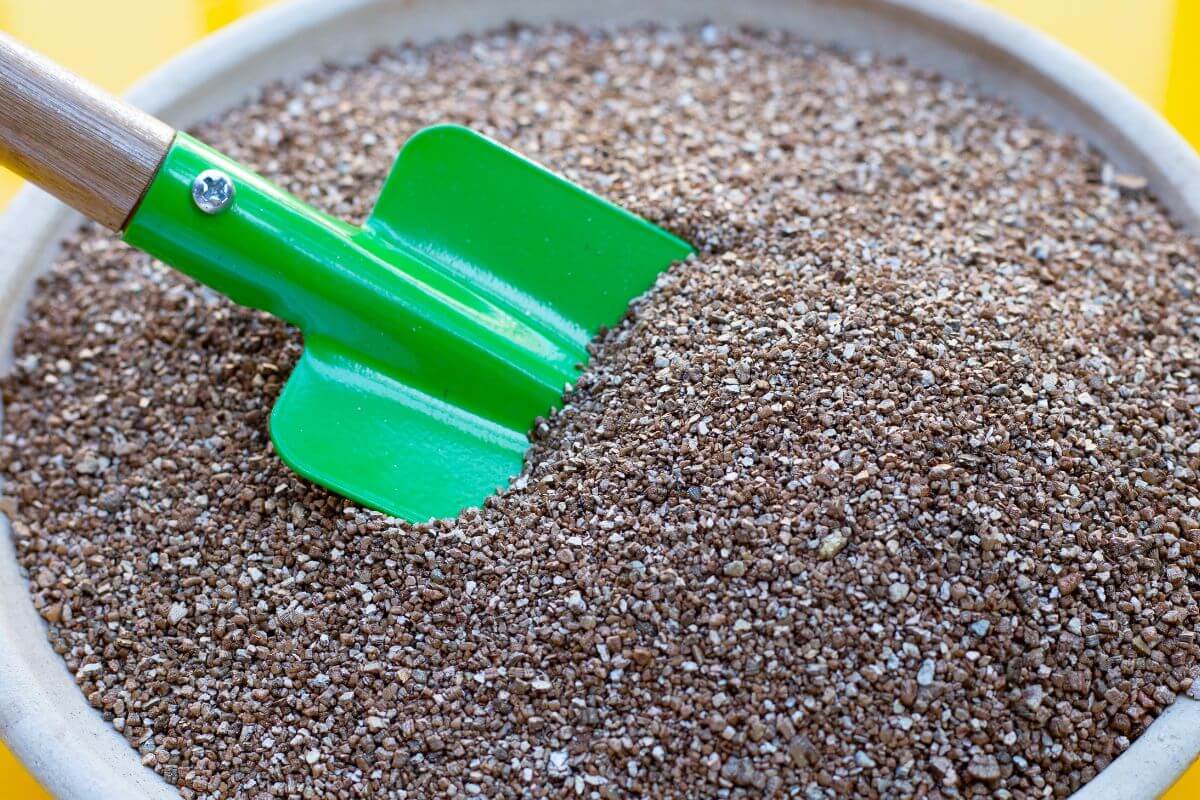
212, 191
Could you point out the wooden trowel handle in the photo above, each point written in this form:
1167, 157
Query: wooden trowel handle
78, 142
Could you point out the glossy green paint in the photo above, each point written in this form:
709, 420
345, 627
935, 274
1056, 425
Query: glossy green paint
437, 332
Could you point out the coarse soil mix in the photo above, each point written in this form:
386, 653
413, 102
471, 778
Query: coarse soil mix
892, 491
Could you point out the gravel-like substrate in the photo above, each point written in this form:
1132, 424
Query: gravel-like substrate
890, 492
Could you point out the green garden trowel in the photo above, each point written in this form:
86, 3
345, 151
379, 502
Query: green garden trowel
434, 335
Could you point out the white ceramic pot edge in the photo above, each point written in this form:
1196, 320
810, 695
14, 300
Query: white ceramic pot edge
45, 718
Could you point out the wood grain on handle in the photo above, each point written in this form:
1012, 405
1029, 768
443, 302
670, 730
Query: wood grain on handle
81, 144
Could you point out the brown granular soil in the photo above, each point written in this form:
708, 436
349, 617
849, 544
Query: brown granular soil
892, 491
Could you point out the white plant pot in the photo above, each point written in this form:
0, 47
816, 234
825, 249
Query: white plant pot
44, 717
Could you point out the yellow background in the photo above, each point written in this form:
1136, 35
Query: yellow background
1149, 45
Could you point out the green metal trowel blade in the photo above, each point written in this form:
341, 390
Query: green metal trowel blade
366, 435
438, 332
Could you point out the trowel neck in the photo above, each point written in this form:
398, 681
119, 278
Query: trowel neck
381, 303
233, 230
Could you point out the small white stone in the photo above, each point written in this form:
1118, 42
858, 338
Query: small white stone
576, 603
177, 612
557, 763
832, 544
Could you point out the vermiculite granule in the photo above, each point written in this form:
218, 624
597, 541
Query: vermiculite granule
891, 492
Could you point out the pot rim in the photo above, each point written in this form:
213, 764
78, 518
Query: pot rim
46, 720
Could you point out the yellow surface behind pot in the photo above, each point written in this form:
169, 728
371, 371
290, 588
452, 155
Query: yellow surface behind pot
1149, 45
